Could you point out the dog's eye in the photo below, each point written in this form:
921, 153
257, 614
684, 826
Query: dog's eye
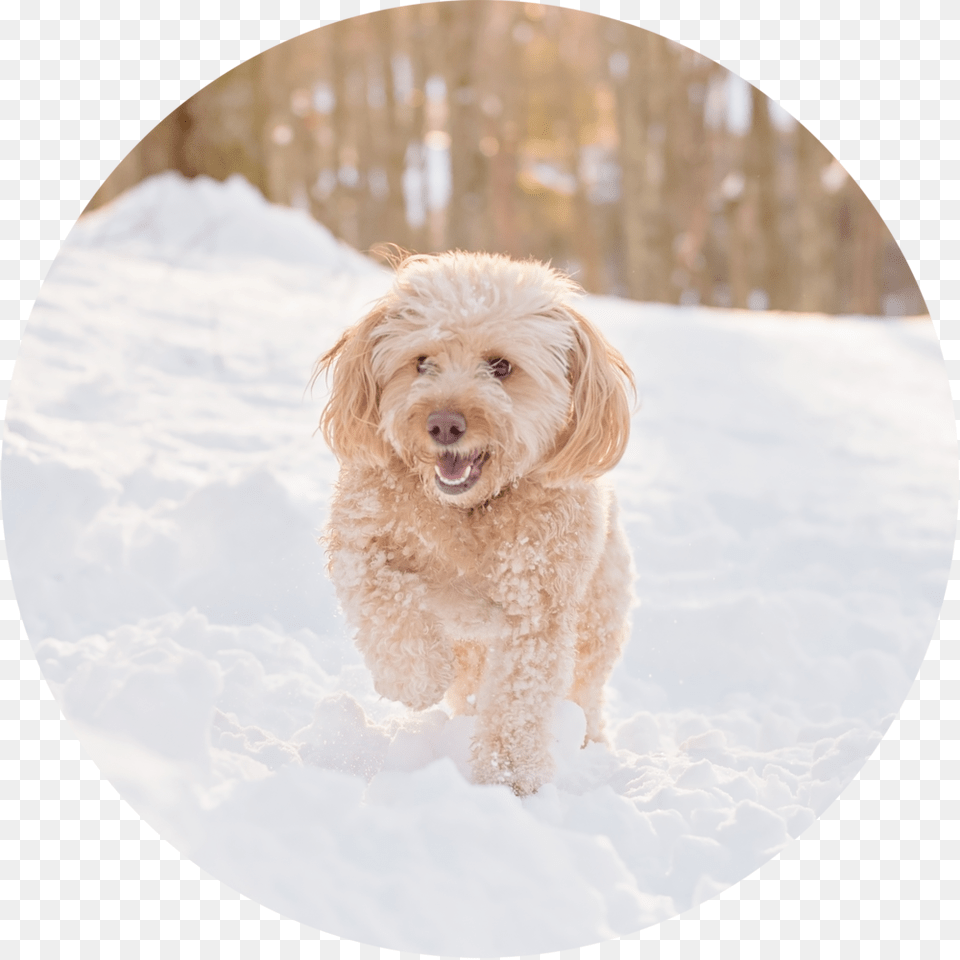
421, 364
499, 367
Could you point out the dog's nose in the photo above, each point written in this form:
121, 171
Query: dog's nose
446, 427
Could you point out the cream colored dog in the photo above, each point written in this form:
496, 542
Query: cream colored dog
472, 411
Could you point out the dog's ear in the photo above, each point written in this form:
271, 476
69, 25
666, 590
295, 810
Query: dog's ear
350, 419
598, 427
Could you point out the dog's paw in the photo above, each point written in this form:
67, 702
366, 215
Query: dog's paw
524, 777
467, 616
417, 693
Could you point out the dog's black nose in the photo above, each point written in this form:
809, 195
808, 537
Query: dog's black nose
446, 427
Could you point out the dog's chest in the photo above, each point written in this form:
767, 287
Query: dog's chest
454, 543
527, 533
506, 537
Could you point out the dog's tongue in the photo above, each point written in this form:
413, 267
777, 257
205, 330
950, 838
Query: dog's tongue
453, 466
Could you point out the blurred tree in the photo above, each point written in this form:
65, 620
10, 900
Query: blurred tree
388, 224
819, 226
541, 131
768, 256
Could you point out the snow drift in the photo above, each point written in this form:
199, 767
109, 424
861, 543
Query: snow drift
789, 493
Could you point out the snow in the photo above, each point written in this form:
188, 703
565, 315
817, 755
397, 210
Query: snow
790, 494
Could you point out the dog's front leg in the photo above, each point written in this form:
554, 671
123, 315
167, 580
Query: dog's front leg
528, 669
398, 635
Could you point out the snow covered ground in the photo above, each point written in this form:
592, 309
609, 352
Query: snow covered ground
789, 491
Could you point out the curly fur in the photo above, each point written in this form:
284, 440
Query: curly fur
511, 591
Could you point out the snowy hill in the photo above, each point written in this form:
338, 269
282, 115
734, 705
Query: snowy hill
201, 221
789, 492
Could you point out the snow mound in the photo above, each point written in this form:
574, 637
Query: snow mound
188, 220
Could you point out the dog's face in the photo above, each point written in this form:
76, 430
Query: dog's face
475, 372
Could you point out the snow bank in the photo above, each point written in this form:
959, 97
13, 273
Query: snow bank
202, 221
789, 492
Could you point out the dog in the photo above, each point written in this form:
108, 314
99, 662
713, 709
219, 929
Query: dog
471, 547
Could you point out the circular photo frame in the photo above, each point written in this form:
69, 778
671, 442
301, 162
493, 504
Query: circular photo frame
477, 720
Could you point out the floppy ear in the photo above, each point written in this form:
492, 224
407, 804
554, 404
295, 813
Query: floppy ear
350, 419
598, 427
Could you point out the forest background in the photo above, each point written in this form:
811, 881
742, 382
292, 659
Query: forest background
638, 166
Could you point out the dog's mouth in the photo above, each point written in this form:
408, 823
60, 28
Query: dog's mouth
456, 473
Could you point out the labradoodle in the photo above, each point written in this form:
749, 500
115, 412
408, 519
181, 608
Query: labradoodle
471, 546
